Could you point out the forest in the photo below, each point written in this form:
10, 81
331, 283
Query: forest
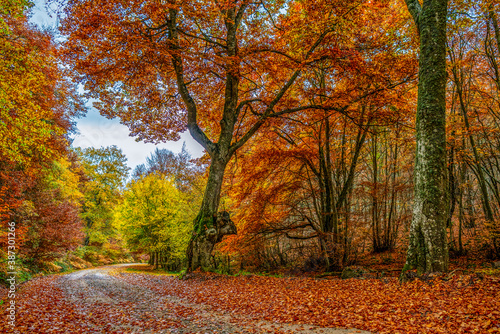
351, 153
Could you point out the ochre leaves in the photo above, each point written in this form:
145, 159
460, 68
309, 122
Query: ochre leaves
467, 304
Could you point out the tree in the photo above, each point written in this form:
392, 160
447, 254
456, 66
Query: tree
38, 176
35, 96
105, 170
179, 167
221, 70
155, 217
50, 212
45, 207
428, 248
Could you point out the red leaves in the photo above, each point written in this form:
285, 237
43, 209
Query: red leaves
378, 306
127, 302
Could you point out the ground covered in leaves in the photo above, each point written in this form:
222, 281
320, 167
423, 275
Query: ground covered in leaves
115, 301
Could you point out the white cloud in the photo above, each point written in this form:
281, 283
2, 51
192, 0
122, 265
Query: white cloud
97, 131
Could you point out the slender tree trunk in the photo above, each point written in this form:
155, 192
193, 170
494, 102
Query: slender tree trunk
391, 227
428, 248
461, 214
377, 244
453, 198
488, 212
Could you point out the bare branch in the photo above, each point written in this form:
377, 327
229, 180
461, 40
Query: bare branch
277, 52
205, 37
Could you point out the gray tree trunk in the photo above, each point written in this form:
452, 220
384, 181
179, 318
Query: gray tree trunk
428, 248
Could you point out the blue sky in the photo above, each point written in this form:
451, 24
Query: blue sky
97, 131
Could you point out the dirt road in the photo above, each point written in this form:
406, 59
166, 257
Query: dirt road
109, 300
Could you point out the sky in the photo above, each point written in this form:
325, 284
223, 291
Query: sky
97, 131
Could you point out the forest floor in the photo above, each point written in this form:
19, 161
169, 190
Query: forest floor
110, 300
113, 300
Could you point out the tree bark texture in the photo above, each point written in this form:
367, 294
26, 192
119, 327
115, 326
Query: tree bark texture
428, 248
209, 226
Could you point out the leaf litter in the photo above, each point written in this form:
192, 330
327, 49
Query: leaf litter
106, 301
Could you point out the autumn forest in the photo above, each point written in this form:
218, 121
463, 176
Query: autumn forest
350, 175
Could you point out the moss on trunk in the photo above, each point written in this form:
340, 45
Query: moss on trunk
428, 249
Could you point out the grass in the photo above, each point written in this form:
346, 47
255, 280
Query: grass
147, 269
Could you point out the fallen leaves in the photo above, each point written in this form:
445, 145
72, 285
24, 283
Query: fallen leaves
374, 305
127, 302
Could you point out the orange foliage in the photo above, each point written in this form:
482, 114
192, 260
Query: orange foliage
37, 104
460, 304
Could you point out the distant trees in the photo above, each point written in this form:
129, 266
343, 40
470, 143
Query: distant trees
105, 172
473, 50
159, 205
155, 218
178, 167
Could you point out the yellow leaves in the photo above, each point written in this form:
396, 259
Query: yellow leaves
64, 178
28, 78
155, 215
11, 9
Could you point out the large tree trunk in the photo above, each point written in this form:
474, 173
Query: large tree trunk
210, 225
428, 248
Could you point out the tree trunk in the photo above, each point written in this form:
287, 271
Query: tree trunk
377, 244
329, 217
461, 211
488, 212
210, 225
392, 228
428, 249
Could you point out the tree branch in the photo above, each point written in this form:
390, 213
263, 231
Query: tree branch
192, 111
241, 11
415, 9
296, 237
276, 52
